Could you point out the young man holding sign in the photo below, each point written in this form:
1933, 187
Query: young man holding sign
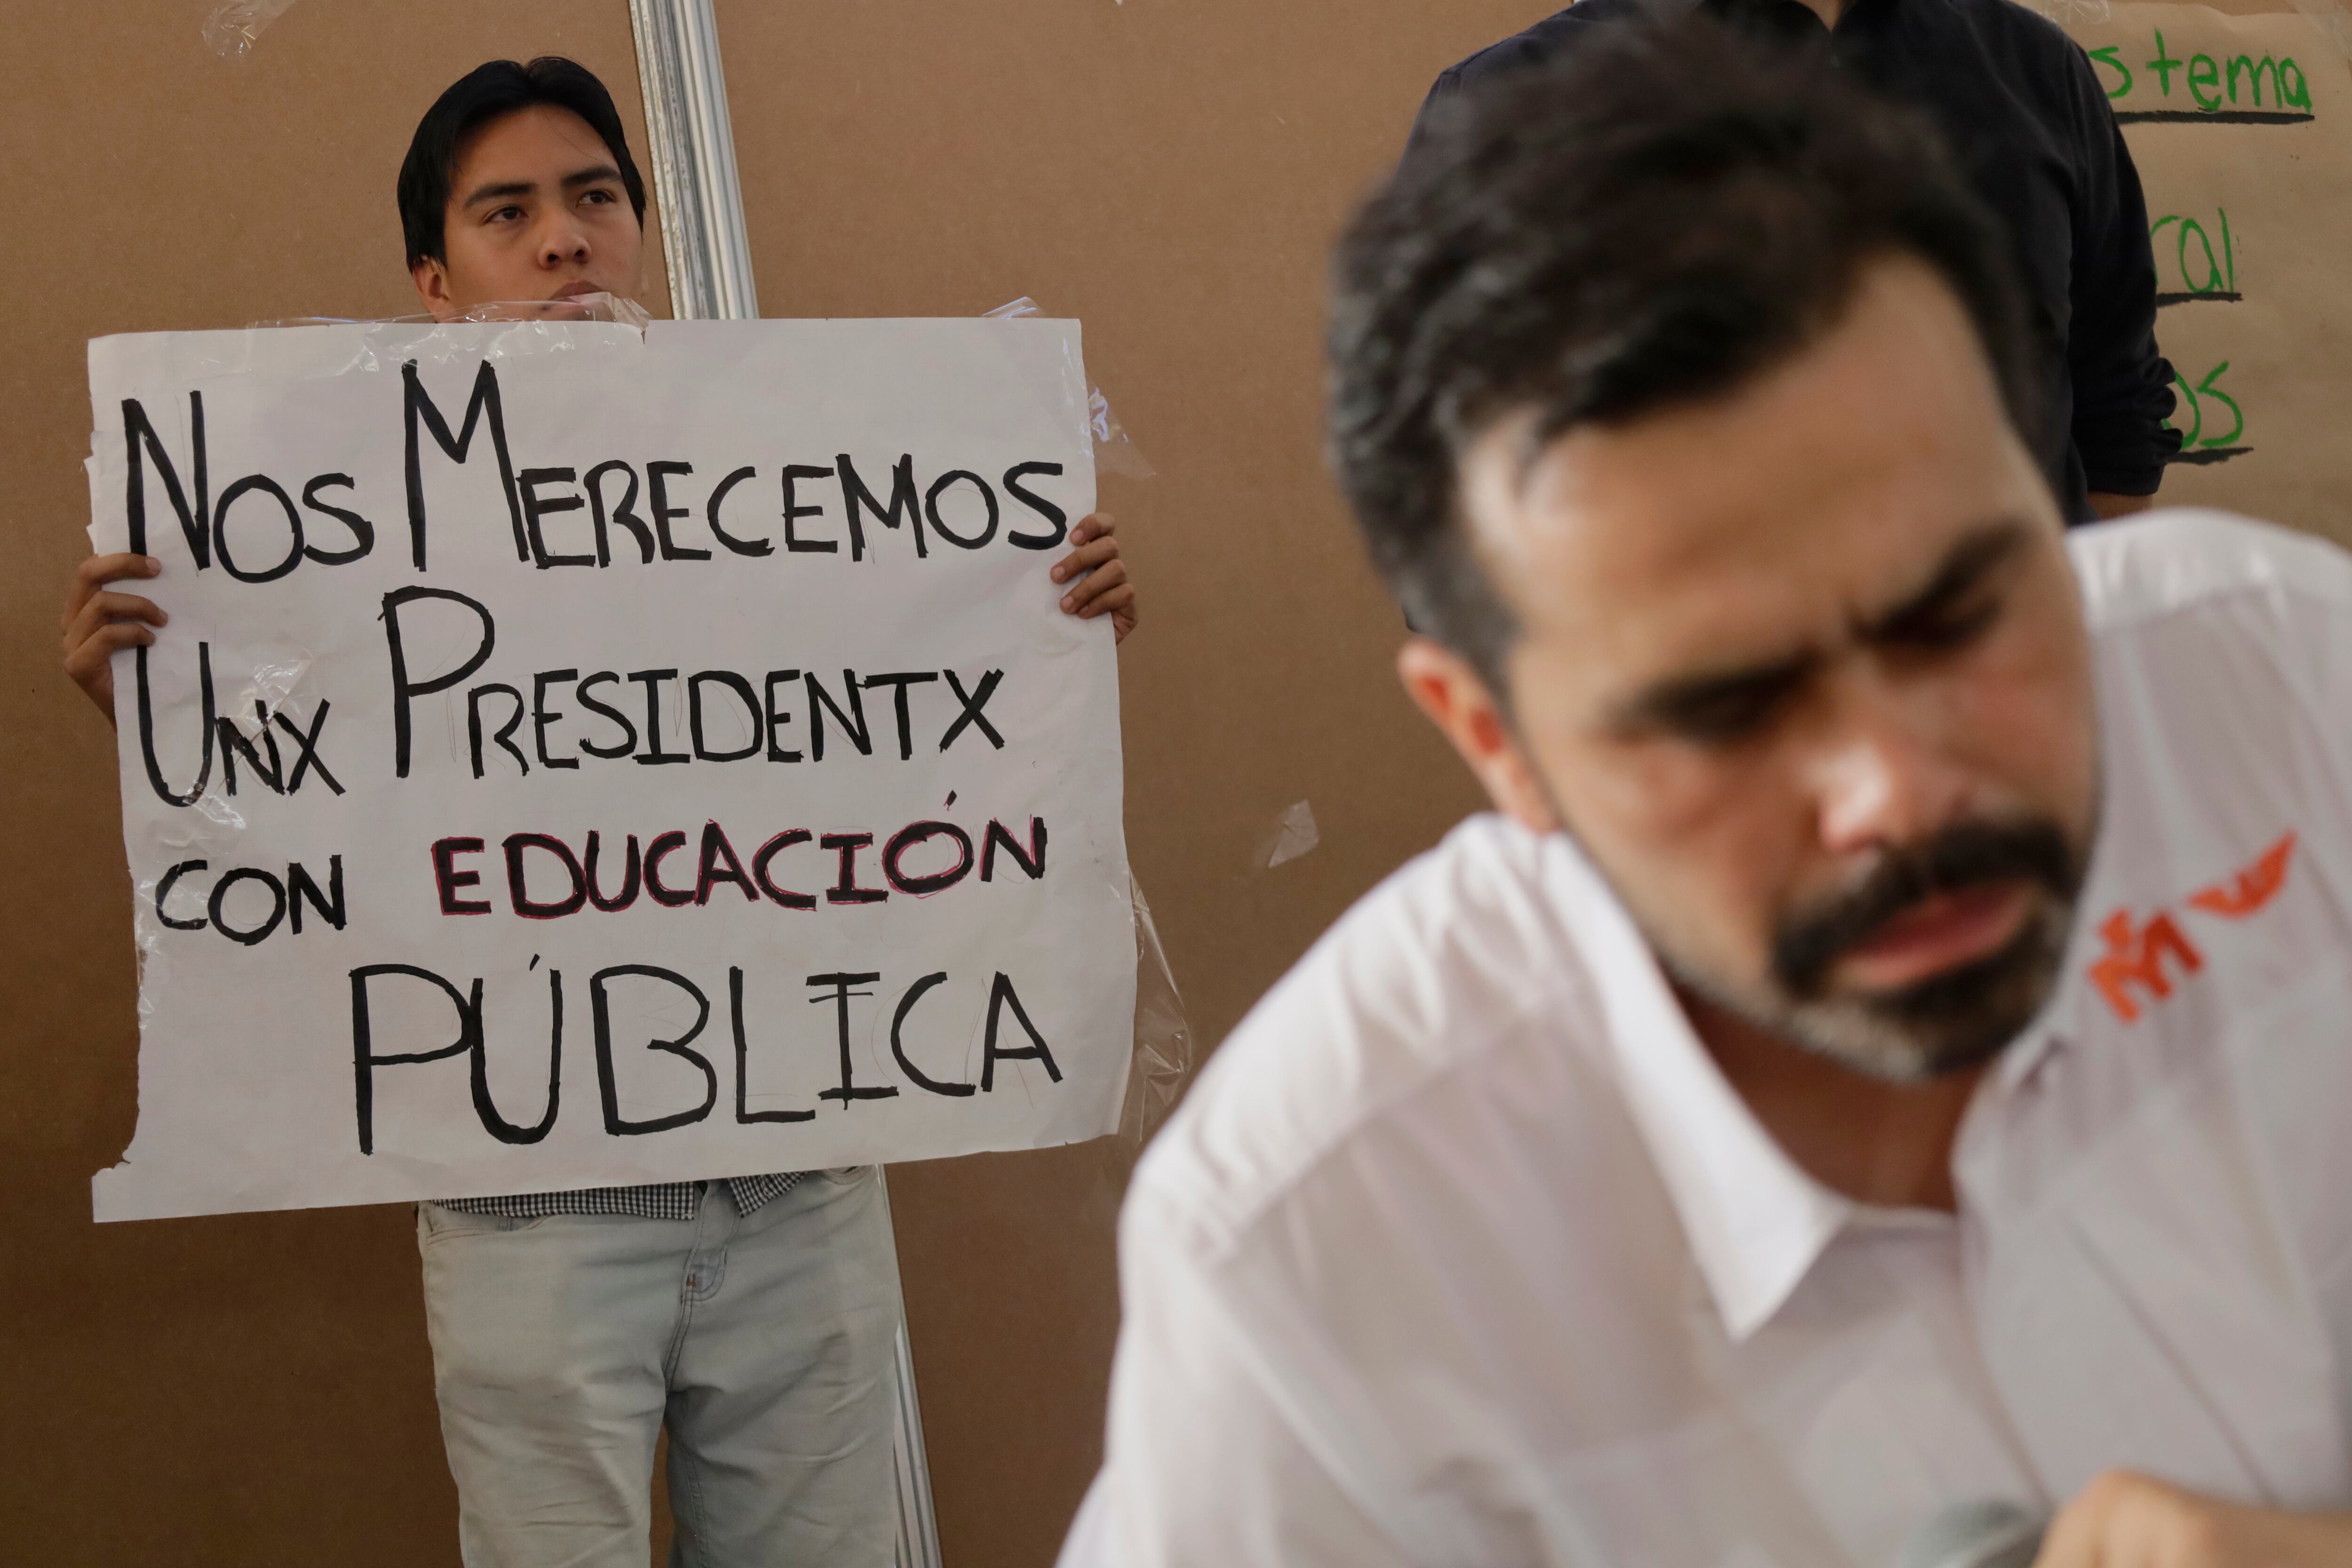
753, 1316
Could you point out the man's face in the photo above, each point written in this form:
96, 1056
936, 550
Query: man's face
537, 211
1803, 668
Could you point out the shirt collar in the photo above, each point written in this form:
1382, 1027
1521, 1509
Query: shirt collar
2057, 1025
1754, 1220
2060, 1021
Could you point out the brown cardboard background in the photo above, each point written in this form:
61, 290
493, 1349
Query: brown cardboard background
257, 1388
1170, 171
251, 1389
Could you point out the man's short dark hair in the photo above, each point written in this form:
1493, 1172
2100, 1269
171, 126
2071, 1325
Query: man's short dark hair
490, 92
1655, 220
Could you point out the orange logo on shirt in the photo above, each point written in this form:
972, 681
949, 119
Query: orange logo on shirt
2255, 886
2138, 954
2136, 958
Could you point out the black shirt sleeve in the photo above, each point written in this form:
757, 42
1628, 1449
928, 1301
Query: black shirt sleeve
1533, 47
1447, 85
2122, 386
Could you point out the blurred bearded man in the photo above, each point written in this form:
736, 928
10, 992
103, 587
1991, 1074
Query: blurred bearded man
1888, 1049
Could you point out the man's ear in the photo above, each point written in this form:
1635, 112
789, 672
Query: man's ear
1458, 702
431, 276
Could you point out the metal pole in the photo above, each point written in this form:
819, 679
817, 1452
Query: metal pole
919, 1528
708, 256
693, 146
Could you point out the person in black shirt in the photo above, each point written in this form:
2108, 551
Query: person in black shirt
2017, 101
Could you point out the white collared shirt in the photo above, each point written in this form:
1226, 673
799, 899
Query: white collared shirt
1463, 1251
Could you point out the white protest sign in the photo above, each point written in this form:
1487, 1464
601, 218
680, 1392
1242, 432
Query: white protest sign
580, 756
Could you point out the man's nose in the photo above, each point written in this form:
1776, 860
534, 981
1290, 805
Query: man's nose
563, 241
1879, 779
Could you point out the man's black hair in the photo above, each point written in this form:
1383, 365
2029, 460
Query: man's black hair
488, 92
1659, 217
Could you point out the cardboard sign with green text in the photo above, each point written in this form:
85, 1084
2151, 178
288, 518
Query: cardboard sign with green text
2241, 129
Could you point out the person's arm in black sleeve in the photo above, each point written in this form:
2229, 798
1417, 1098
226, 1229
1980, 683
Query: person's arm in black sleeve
2122, 386
1448, 85
1520, 50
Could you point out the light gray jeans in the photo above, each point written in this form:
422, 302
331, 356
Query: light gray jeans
561, 1346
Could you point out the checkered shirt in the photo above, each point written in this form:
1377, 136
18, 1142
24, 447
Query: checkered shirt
664, 1200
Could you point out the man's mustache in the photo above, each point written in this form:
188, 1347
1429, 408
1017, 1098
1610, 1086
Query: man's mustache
1810, 941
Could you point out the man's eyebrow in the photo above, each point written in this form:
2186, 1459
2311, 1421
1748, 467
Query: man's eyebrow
1684, 704
500, 191
1964, 566
1695, 703
506, 190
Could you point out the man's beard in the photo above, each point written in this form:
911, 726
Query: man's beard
1960, 1018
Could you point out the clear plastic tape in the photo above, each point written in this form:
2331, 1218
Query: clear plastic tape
1292, 834
578, 307
1164, 1038
1163, 1061
385, 343
1164, 1055
1115, 450
529, 327
232, 29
